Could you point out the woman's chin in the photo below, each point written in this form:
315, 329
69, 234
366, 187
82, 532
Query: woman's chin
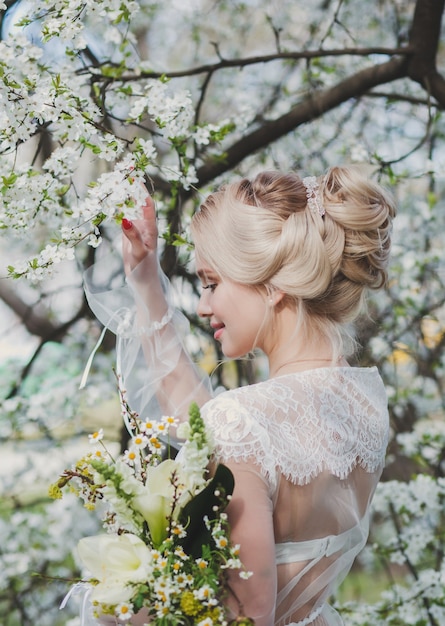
232, 353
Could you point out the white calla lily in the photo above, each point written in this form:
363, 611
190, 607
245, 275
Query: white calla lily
155, 501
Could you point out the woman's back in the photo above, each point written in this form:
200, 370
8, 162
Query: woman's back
318, 439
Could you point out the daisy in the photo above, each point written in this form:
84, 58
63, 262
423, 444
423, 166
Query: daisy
155, 444
124, 611
204, 594
139, 442
222, 542
97, 436
161, 428
178, 530
146, 426
169, 421
130, 457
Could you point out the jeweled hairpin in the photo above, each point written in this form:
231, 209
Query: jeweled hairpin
313, 202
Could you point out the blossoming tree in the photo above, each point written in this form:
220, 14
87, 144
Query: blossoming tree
97, 96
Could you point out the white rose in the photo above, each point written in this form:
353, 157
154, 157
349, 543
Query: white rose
115, 560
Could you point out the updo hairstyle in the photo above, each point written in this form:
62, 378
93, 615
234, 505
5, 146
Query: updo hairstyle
263, 233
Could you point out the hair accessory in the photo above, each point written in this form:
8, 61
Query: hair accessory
313, 202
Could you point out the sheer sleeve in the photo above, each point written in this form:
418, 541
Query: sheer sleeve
242, 444
250, 515
156, 371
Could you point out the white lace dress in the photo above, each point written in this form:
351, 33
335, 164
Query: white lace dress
317, 441
307, 450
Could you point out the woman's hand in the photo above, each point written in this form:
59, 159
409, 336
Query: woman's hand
140, 237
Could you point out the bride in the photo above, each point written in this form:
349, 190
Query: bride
285, 264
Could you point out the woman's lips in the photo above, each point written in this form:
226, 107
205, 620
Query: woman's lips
218, 328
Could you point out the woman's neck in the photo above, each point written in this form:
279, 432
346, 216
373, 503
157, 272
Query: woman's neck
290, 349
291, 366
293, 355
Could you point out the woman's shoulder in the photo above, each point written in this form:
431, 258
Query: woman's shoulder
231, 413
327, 418
239, 431
241, 411
362, 384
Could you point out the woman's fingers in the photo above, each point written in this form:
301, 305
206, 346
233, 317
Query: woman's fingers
149, 219
140, 235
148, 209
134, 247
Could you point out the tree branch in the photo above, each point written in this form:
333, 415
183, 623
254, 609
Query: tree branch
402, 97
418, 62
35, 320
57, 335
314, 106
424, 42
266, 58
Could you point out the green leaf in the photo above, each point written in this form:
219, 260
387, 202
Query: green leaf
8, 181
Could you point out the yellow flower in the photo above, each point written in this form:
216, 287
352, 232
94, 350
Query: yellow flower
189, 604
155, 442
54, 491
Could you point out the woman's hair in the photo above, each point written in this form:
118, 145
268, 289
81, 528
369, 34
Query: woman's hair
266, 233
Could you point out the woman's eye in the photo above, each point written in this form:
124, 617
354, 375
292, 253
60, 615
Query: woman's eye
211, 286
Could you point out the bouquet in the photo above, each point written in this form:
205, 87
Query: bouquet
166, 551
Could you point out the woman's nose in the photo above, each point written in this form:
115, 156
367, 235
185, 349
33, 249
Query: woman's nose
204, 309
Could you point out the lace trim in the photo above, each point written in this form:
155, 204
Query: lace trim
127, 329
328, 418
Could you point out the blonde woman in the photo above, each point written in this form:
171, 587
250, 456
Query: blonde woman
285, 264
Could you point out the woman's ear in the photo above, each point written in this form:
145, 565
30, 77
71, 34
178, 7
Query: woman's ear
275, 296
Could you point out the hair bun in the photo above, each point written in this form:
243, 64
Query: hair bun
365, 211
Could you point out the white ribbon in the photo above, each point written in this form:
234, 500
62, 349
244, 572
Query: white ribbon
86, 371
76, 589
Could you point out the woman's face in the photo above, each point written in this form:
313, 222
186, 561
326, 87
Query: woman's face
236, 312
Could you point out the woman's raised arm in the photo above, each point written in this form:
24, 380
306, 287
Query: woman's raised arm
174, 378
155, 370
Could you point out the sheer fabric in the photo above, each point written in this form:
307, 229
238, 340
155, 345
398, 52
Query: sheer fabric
306, 449
151, 359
